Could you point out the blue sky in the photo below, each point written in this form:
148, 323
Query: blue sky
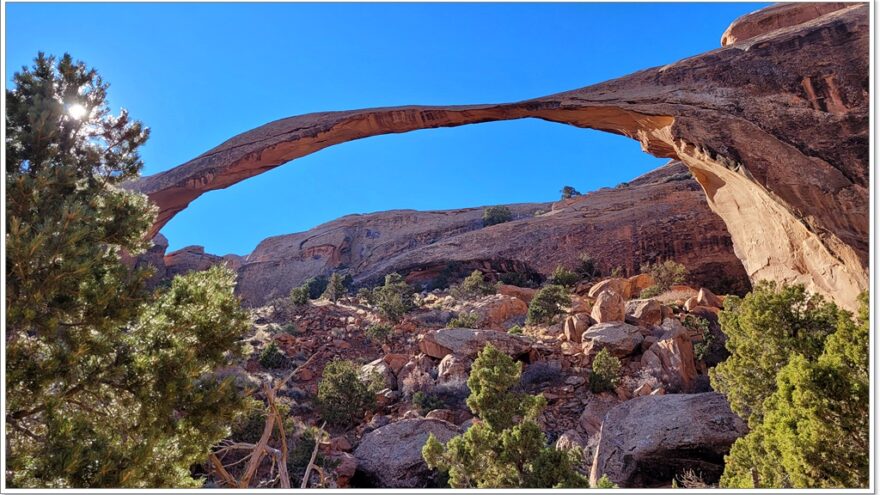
197, 74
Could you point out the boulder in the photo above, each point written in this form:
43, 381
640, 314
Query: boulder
706, 298
635, 285
580, 305
621, 339
442, 414
391, 456
498, 310
468, 342
646, 312
609, 306
691, 303
346, 467
646, 441
671, 358
609, 284
453, 370
524, 294
594, 412
575, 325
396, 361
569, 440
379, 367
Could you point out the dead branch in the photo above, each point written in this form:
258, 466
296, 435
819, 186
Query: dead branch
318, 438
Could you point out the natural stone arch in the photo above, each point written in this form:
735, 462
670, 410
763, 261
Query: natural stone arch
752, 121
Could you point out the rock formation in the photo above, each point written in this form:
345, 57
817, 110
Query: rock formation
774, 126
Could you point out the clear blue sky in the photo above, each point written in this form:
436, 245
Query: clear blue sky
198, 74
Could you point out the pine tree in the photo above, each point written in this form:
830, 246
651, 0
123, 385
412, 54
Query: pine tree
107, 385
507, 448
814, 431
335, 287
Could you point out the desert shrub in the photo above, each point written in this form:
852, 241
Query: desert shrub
507, 448
605, 482
617, 272
701, 325
472, 287
564, 277
587, 268
691, 479
272, 357
302, 444
335, 287
427, 402
299, 296
666, 274
395, 298
810, 428
494, 215
463, 320
342, 396
649, 292
379, 333
606, 372
547, 304
366, 296
515, 330
569, 192
518, 279
290, 329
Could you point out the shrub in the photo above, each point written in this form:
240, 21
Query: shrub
605, 482
272, 357
764, 329
617, 272
395, 298
427, 402
316, 286
335, 287
290, 329
564, 277
547, 304
472, 287
463, 320
507, 448
299, 296
569, 192
494, 215
342, 396
814, 428
366, 296
587, 268
515, 330
701, 325
379, 333
518, 279
606, 372
652, 291
666, 273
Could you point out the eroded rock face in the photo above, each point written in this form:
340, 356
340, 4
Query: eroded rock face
774, 128
391, 456
647, 441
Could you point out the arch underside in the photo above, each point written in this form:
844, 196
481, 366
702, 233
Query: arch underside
795, 202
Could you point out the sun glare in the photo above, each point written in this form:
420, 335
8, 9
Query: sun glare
76, 111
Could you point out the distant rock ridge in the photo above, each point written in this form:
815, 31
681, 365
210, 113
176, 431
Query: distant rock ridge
773, 126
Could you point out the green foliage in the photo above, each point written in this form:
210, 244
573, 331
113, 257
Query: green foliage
272, 357
587, 268
494, 215
547, 304
564, 277
507, 448
518, 279
604, 482
764, 329
701, 325
301, 453
569, 192
463, 320
427, 402
299, 296
104, 381
365, 296
342, 395
606, 372
649, 292
617, 272
814, 431
395, 298
335, 287
316, 286
290, 329
666, 274
515, 330
379, 333
473, 287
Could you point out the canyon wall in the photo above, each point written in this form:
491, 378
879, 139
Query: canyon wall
773, 126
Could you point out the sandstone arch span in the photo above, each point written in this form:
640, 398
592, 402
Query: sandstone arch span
774, 126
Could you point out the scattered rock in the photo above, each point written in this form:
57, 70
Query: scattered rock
524, 294
575, 325
609, 306
645, 312
469, 342
378, 367
647, 441
497, 311
621, 339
